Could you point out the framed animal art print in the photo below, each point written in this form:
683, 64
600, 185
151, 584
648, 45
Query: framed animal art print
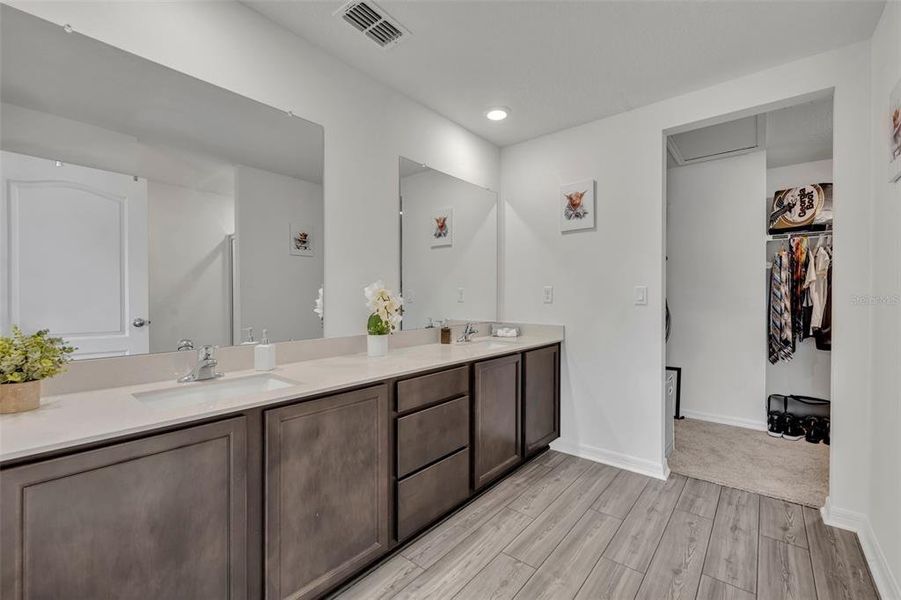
442, 228
577, 206
301, 240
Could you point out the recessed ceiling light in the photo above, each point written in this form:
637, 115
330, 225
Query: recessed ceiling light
498, 113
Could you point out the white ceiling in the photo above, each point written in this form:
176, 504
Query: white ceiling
799, 134
562, 63
78, 78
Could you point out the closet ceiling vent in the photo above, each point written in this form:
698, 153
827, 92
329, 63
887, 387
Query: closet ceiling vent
372, 21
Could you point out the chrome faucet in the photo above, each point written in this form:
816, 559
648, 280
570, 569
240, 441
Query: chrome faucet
205, 367
468, 332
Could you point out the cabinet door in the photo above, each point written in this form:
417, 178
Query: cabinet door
496, 418
541, 397
160, 517
326, 470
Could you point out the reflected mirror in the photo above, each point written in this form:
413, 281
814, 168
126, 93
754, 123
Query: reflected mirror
448, 248
144, 210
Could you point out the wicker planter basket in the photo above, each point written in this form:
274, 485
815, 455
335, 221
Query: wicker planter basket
19, 397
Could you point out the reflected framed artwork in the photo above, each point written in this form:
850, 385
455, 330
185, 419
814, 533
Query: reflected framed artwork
301, 242
442, 228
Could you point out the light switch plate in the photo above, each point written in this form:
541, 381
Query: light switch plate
548, 294
461, 295
641, 295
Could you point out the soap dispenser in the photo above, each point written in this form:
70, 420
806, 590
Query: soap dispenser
264, 354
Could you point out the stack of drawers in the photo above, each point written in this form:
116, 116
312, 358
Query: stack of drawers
433, 442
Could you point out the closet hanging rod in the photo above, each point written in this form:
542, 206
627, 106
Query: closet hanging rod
775, 237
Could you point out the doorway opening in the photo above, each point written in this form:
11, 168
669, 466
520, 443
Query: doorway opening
748, 287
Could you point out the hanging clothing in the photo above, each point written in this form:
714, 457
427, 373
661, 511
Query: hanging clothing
798, 264
807, 300
781, 339
823, 335
820, 287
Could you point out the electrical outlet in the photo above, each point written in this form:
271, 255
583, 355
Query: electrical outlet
641, 295
461, 295
548, 294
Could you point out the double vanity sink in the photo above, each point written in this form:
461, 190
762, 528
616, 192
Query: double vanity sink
278, 485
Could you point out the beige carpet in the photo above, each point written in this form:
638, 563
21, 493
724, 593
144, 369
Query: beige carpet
752, 461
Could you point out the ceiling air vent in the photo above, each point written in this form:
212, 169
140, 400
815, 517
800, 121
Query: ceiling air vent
371, 20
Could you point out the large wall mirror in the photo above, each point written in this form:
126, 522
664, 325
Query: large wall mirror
448, 248
143, 208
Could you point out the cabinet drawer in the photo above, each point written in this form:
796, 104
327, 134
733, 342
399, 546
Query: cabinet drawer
425, 496
429, 434
428, 389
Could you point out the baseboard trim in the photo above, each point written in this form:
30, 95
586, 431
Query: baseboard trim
859, 523
614, 459
734, 421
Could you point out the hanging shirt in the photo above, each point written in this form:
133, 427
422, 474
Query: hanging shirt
819, 287
798, 266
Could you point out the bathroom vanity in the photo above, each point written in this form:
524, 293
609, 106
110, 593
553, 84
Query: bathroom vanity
278, 494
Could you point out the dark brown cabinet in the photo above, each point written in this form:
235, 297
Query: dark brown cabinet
160, 517
326, 491
281, 502
497, 421
541, 398
432, 492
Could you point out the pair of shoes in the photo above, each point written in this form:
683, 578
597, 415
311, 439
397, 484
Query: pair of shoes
817, 429
794, 427
775, 423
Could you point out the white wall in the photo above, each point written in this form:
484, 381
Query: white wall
367, 126
612, 403
884, 509
190, 271
277, 290
432, 276
809, 372
716, 287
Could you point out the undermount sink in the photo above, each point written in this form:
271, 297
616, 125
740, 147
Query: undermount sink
210, 392
490, 343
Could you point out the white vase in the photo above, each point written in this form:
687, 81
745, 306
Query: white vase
377, 345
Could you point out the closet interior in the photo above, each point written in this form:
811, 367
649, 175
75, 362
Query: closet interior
750, 253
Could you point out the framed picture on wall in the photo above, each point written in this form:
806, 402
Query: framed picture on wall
442, 228
300, 240
894, 123
577, 205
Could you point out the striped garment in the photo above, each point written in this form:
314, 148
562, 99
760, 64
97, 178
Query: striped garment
781, 340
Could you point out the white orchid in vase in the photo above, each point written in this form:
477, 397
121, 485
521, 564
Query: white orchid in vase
319, 305
385, 309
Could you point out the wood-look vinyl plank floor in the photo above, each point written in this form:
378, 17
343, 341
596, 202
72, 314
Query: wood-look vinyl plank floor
550, 530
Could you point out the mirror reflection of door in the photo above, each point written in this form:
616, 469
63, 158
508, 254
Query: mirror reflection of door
75, 260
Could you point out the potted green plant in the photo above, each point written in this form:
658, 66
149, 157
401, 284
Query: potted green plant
24, 361
385, 315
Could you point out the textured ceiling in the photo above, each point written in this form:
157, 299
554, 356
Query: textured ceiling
559, 64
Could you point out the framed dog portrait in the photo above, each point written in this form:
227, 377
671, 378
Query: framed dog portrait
577, 205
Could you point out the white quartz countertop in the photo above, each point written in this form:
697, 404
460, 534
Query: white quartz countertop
76, 419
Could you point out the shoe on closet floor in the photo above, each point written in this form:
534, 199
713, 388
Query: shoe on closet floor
794, 429
775, 423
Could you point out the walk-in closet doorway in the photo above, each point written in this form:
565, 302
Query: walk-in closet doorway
748, 232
